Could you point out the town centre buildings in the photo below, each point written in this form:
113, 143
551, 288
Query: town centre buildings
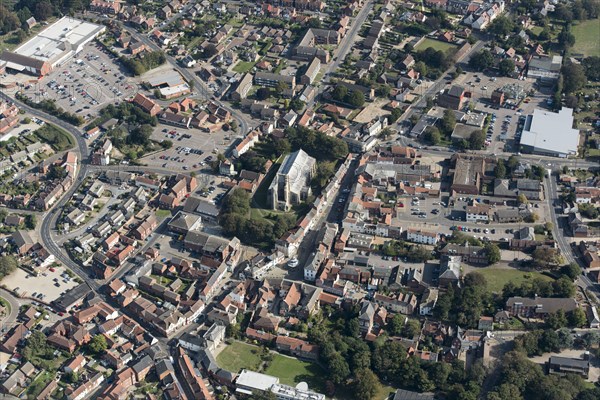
51, 47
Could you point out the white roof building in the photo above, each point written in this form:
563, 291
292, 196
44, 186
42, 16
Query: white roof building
250, 381
52, 46
549, 133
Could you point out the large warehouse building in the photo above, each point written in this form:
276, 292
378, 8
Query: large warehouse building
51, 47
550, 134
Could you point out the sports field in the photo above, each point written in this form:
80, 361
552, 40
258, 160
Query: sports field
587, 37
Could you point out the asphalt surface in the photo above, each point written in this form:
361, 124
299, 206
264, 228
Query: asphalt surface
15, 304
344, 47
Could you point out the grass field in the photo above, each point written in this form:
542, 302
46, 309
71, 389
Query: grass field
290, 371
498, 277
435, 44
586, 37
238, 356
243, 66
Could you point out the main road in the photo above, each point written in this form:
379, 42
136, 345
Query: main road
344, 47
49, 218
559, 232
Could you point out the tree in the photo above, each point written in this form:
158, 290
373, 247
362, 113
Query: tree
411, 329
353, 327
396, 324
573, 270
8, 264
557, 320
393, 117
36, 347
493, 253
522, 199
565, 339
501, 27
448, 121
477, 140
366, 384
338, 369
563, 287
98, 344
591, 66
432, 136
356, 98
30, 221
481, 60
72, 377
339, 92
589, 211
421, 68
546, 258
563, 12
573, 77
504, 392
566, 39
500, 169
263, 93
297, 105
140, 135
506, 67
313, 23
577, 318
56, 172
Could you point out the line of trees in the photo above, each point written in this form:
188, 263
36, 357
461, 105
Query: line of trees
51, 108
137, 66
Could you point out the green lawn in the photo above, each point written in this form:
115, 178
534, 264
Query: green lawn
243, 66
435, 44
290, 371
498, 277
238, 356
162, 214
586, 37
536, 30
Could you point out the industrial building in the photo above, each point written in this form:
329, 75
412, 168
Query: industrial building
53, 46
550, 134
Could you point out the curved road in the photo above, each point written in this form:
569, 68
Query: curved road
14, 304
49, 218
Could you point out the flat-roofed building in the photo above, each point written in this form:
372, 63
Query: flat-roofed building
51, 47
550, 134
270, 79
